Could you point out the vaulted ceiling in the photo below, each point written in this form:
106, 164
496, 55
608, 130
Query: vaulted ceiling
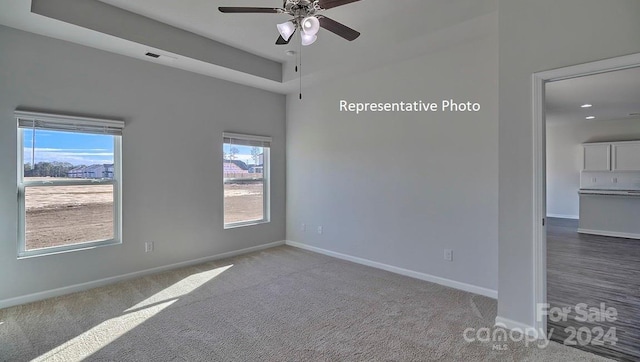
193, 35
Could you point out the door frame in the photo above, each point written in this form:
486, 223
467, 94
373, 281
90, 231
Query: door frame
539, 81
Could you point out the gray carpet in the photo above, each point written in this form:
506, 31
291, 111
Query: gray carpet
282, 304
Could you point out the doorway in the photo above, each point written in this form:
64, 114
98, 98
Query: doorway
568, 264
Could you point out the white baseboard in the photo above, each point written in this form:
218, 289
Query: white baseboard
520, 327
101, 282
614, 234
561, 216
410, 273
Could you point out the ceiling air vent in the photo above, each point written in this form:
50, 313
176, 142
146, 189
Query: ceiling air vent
152, 55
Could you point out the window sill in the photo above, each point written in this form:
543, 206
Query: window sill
245, 223
63, 250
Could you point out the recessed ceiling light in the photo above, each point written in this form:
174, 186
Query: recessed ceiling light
586, 105
290, 53
591, 117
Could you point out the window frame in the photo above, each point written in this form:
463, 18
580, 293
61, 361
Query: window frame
266, 177
22, 185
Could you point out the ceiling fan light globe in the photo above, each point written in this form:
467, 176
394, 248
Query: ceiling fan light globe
310, 25
286, 30
308, 39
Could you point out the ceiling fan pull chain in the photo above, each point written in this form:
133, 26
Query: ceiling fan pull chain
300, 54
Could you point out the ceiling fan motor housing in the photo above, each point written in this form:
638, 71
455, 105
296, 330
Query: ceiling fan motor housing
301, 8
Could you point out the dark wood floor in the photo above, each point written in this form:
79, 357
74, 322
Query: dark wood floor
592, 270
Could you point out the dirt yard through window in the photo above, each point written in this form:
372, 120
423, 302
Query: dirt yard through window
65, 215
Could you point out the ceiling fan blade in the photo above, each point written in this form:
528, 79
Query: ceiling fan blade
248, 10
281, 41
328, 4
338, 28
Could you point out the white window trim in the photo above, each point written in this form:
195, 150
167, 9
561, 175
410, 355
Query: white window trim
246, 137
266, 176
22, 184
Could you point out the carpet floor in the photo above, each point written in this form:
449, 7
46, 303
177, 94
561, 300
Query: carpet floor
281, 304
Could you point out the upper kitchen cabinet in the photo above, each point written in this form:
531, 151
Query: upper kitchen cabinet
597, 157
612, 156
625, 156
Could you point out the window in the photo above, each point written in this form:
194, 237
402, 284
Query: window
68, 183
246, 179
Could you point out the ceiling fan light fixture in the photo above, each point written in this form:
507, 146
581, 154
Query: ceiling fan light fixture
308, 39
310, 25
286, 30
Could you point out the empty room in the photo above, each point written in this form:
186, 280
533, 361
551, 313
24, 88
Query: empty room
296, 180
593, 180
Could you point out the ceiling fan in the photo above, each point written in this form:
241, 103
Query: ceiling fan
306, 17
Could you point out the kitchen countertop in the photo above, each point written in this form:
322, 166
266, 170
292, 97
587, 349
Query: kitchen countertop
634, 193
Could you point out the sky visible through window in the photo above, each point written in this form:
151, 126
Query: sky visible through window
244, 153
68, 147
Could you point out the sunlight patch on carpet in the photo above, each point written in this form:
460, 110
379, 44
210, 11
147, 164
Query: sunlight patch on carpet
183, 287
108, 331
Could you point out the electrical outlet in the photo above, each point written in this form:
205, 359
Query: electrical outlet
303, 227
148, 246
448, 254
594, 180
319, 230
614, 180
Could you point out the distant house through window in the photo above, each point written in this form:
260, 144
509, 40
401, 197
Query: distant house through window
246, 179
69, 184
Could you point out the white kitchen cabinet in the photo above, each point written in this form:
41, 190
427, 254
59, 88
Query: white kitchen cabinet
611, 156
625, 156
597, 157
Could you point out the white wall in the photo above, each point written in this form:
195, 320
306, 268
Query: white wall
537, 36
564, 158
174, 121
399, 188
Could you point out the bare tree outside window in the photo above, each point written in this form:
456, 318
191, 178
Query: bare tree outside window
255, 154
233, 151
